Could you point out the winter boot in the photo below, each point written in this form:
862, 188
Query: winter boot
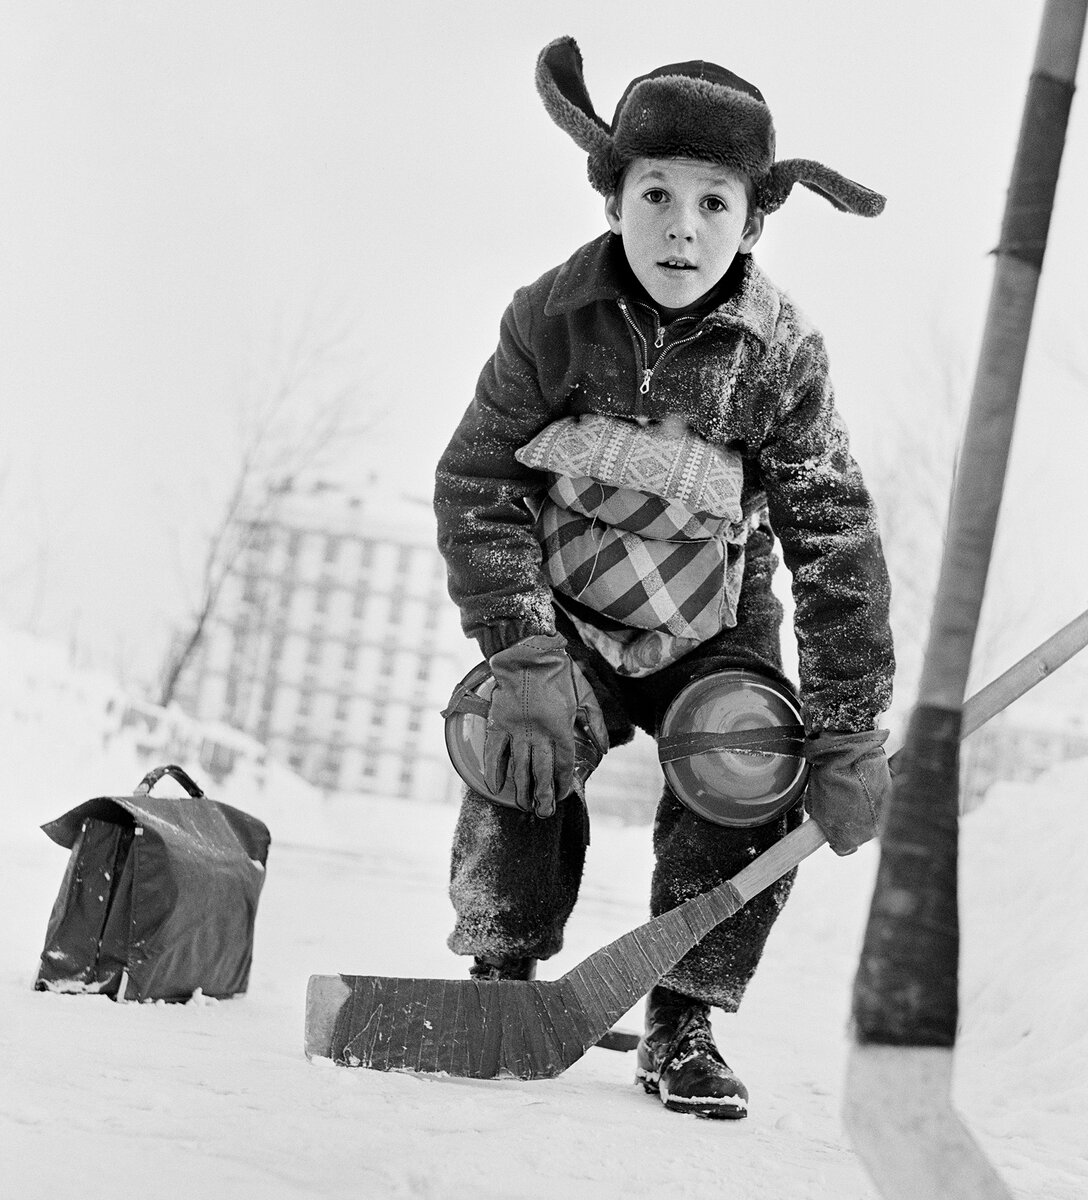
489, 967
678, 1060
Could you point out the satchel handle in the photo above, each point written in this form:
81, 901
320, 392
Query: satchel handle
153, 776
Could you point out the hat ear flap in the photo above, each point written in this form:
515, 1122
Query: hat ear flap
561, 85
843, 193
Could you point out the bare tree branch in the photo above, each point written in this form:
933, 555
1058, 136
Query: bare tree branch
301, 420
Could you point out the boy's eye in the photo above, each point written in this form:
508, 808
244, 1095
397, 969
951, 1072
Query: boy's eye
656, 196
715, 203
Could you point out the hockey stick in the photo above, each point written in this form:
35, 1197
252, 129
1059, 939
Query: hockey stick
898, 1109
536, 1029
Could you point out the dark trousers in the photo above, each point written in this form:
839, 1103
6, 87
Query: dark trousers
514, 878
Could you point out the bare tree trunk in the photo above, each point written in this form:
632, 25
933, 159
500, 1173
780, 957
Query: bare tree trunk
289, 433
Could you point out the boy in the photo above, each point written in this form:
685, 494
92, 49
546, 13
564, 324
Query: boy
656, 356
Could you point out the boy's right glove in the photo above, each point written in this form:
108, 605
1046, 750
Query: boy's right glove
848, 786
530, 728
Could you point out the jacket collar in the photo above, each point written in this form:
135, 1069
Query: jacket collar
594, 273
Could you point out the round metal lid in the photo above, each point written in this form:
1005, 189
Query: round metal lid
466, 724
465, 734
730, 747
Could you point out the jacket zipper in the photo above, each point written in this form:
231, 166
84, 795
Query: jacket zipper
642, 349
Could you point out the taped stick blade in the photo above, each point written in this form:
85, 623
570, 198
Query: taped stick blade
467, 1028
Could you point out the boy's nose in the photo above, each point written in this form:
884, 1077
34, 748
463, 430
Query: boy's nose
681, 227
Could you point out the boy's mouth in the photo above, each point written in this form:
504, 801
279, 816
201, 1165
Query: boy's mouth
677, 264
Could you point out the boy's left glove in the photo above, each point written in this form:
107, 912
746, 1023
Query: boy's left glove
530, 728
848, 786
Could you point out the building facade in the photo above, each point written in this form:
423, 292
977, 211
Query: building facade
336, 646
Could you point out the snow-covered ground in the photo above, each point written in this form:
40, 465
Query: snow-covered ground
103, 1101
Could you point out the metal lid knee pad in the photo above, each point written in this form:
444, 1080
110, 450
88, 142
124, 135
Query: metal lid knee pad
466, 723
731, 746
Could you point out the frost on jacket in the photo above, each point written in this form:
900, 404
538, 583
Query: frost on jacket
756, 381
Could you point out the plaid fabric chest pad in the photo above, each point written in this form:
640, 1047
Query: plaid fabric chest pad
652, 561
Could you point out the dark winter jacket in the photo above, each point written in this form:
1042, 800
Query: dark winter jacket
752, 377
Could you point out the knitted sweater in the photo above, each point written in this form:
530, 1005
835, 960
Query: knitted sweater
752, 378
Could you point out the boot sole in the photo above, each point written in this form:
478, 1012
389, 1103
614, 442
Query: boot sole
724, 1108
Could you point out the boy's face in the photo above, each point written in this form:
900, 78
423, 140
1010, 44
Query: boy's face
682, 222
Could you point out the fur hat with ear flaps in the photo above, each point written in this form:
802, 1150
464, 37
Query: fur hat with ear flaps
686, 110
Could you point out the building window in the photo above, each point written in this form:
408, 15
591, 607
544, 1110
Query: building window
343, 707
415, 720
321, 599
377, 716
366, 554
404, 558
258, 536
358, 607
305, 703
351, 656
313, 651
294, 543
332, 549
424, 672
386, 667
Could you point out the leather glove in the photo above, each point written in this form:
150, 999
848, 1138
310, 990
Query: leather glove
848, 786
530, 728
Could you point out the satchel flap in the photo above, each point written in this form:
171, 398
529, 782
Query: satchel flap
250, 832
64, 830
217, 829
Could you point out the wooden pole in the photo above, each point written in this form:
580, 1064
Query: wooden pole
898, 1108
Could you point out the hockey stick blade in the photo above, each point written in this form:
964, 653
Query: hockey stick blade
522, 1029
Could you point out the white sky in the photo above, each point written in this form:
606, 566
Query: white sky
183, 180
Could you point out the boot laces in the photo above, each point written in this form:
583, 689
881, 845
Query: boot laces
693, 1039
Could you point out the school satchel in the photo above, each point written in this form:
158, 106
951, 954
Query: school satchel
159, 898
